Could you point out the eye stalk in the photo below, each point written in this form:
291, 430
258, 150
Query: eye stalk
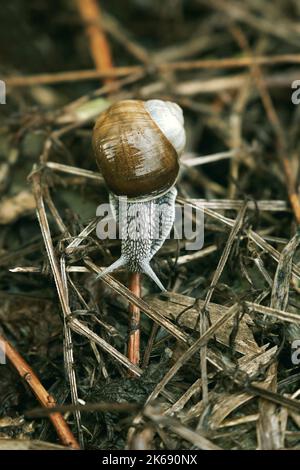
137, 147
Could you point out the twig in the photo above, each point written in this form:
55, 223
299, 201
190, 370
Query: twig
60, 286
83, 330
226, 252
185, 301
212, 64
229, 204
24, 370
87, 407
144, 307
219, 84
191, 160
91, 15
72, 170
255, 237
74, 75
230, 62
134, 320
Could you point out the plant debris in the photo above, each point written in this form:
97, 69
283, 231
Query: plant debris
220, 354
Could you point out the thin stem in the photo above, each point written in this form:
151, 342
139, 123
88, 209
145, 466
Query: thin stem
24, 370
90, 13
134, 321
209, 64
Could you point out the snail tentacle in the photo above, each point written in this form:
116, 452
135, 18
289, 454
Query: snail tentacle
149, 271
113, 267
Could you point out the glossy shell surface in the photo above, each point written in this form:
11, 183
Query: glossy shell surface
134, 156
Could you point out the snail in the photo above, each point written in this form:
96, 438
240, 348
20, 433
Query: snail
137, 145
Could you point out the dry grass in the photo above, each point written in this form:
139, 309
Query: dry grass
216, 369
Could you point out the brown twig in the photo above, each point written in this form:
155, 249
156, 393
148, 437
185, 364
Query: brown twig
210, 64
90, 13
63, 431
134, 320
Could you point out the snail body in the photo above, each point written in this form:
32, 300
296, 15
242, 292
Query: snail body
137, 147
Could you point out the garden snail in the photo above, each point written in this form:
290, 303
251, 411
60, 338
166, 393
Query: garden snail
137, 145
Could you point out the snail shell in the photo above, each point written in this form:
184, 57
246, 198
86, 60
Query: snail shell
137, 146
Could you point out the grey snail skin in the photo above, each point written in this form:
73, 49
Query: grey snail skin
138, 145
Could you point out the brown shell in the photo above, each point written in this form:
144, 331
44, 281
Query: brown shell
134, 156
